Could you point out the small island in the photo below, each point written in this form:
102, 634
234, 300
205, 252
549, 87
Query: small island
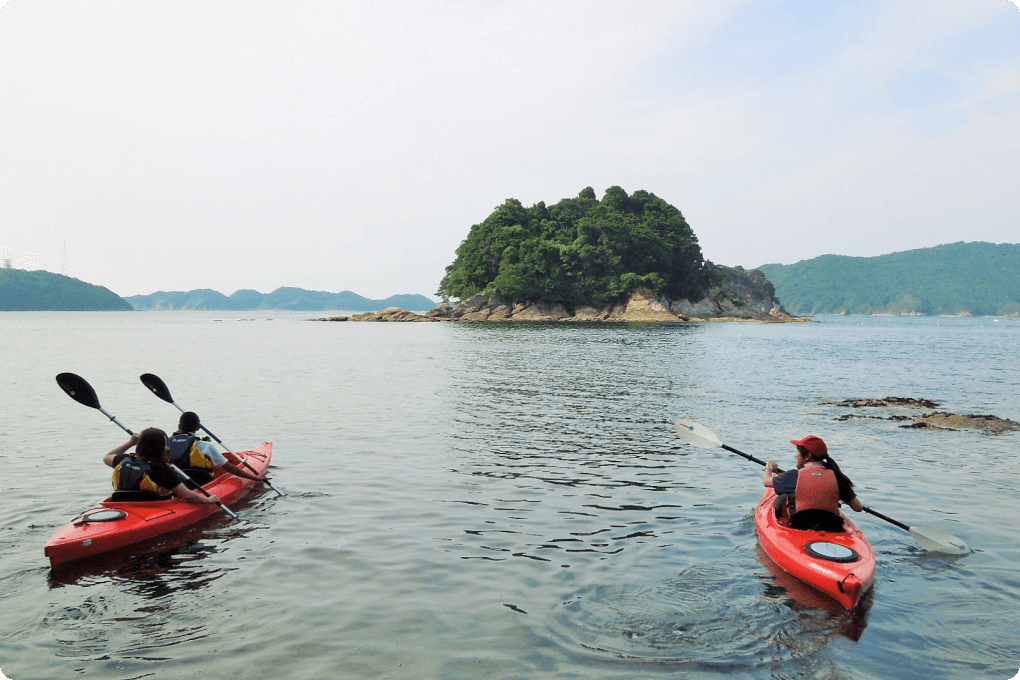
626, 258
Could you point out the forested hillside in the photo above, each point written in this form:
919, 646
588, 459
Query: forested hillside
580, 251
22, 290
955, 279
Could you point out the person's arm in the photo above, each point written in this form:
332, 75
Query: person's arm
221, 463
770, 471
186, 494
241, 472
108, 458
856, 504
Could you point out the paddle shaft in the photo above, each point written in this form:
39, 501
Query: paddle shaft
778, 471
879, 515
124, 427
749, 457
159, 388
237, 457
114, 419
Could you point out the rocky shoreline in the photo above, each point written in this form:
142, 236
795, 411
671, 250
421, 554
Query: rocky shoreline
740, 296
639, 309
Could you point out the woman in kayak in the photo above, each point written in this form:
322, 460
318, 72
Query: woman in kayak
148, 470
816, 486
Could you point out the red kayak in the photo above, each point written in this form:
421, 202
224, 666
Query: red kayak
116, 524
840, 564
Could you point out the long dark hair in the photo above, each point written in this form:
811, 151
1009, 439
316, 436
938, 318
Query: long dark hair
827, 462
151, 444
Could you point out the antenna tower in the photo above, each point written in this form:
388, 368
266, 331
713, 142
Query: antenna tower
63, 267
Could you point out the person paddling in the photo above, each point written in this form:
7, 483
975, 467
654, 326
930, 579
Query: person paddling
199, 458
815, 488
146, 474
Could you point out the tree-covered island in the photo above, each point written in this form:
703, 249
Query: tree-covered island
624, 258
580, 251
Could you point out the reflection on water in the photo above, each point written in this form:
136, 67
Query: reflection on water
135, 605
781, 586
702, 618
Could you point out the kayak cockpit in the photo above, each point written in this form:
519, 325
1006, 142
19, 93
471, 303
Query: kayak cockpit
806, 520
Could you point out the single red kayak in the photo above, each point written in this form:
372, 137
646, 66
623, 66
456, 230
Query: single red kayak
116, 524
841, 564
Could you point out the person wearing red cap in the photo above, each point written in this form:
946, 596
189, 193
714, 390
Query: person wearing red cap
816, 485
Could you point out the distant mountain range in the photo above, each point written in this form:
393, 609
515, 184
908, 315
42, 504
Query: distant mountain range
979, 279
955, 279
296, 299
22, 290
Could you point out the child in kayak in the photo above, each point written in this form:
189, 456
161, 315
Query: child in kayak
199, 458
147, 472
815, 488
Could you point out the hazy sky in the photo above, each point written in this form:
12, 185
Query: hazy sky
351, 145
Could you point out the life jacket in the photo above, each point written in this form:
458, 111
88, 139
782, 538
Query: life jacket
184, 452
817, 489
132, 474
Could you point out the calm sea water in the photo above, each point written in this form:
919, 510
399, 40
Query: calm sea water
508, 501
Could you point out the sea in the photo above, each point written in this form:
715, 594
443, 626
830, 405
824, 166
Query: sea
509, 500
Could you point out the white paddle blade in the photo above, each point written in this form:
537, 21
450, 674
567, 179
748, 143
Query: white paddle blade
934, 540
698, 435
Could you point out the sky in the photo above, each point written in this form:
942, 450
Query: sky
148, 146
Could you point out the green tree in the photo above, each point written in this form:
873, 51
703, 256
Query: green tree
580, 251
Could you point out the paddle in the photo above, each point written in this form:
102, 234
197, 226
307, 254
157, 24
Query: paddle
159, 388
929, 539
81, 391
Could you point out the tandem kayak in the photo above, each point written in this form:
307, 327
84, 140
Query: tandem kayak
117, 524
840, 564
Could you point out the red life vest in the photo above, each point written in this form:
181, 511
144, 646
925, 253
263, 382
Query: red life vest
817, 489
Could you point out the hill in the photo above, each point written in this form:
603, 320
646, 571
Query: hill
979, 279
45, 291
580, 251
296, 299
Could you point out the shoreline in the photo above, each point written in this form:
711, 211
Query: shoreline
638, 309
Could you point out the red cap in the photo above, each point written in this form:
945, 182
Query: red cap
813, 444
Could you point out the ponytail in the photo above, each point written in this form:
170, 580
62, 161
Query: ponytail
830, 464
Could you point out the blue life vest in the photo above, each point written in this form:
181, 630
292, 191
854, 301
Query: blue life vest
185, 453
132, 474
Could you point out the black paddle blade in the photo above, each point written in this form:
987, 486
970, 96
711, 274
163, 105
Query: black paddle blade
78, 389
157, 386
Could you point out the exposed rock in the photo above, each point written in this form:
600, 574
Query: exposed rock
500, 313
935, 420
332, 318
590, 313
888, 401
392, 314
538, 311
440, 311
480, 315
952, 421
645, 308
472, 304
